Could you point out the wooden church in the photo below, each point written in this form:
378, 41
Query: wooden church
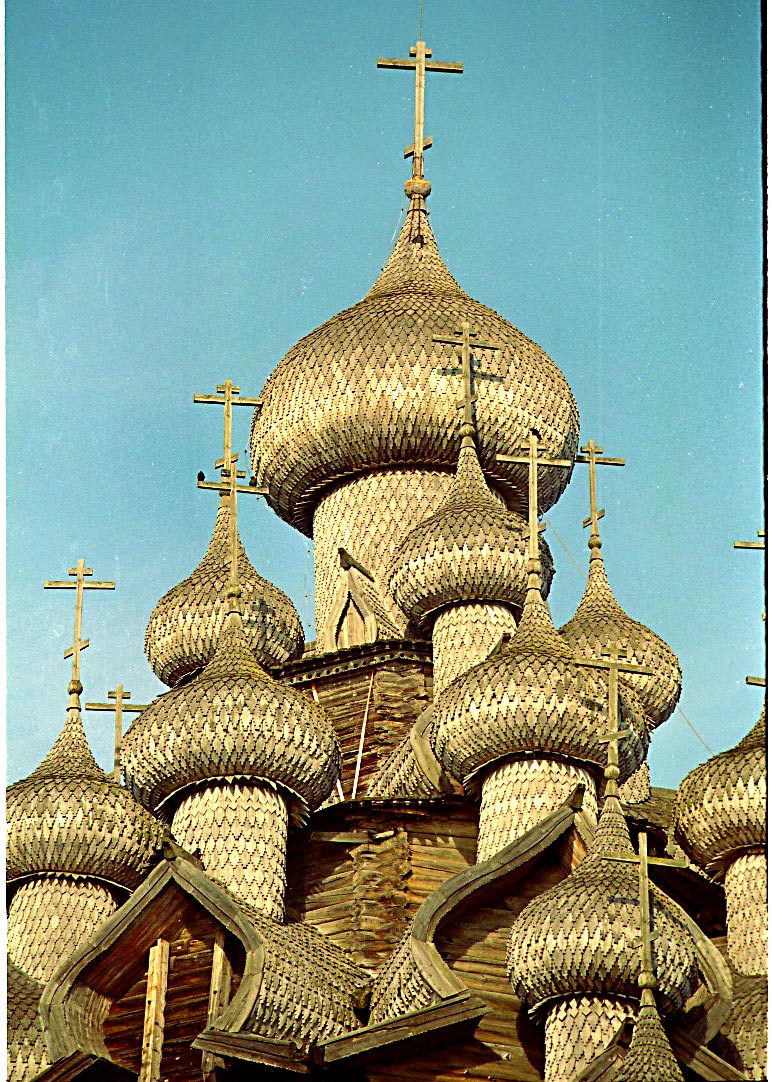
424, 846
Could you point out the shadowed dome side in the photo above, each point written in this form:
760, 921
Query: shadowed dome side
232, 720
184, 627
470, 549
583, 936
530, 698
721, 805
368, 390
600, 622
69, 816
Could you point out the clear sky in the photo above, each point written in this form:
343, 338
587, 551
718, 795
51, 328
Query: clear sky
193, 186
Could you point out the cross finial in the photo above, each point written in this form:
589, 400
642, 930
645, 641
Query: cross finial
614, 660
227, 397
589, 456
462, 338
118, 706
533, 461
80, 572
420, 61
761, 544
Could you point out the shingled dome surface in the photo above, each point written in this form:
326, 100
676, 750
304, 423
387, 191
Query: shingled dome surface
184, 627
583, 936
600, 623
531, 698
369, 389
470, 549
69, 816
721, 806
232, 720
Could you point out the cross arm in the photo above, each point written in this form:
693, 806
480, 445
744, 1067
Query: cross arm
621, 666
601, 461
665, 862
564, 463
128, 708
429, 65
73, 585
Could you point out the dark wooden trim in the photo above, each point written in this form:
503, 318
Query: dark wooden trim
85, 1065
701, 1060
190, 879
407, 1033
264, 1050
319, 666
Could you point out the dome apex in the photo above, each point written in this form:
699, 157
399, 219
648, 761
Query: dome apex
182, 632
367, 390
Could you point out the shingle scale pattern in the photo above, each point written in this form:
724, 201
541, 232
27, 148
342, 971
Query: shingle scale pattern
308, 984
69, 816
463, 635
583, 936
747, 915
529, 697
232, 720
369, 389
576, 1031
650, 1058
721, 805
743, 1037
600, 622
471, 549
181, 635
399, 986
26, 1046
399, 777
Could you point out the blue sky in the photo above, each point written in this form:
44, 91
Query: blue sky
192, 187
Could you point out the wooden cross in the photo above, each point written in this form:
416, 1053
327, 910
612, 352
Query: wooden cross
756, 681
419, 60
590, 457
463, 339
533, 462
643, 860
80, 572
754, 545
614, 661
119, 706
226, 397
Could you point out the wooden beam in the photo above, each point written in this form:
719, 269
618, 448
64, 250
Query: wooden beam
219, 995
155, 1003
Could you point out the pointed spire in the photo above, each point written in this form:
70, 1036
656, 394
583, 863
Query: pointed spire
70, 756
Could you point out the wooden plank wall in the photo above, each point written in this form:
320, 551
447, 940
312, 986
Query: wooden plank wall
401, 691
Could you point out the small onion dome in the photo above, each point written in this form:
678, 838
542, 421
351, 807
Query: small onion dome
743, 1037
367, 390
69, 816
583, 936
601, 622
530, 698
182, 632
650, 1058
231, 721
470, 549
721, 806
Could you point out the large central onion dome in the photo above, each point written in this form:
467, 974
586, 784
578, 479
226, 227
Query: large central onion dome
183, 629
231, 721
470, 549
369, 390
69, 816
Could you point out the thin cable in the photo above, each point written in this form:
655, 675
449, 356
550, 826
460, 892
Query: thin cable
396, 227
696, 733
565, 547
693, 727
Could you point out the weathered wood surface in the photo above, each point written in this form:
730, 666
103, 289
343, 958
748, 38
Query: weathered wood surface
263, 1050
401, 691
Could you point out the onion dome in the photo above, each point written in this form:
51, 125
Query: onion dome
650, 1058
529, 697
600, 622
470, 549
583, 936
69, 816
721, 806
231, 721
365, 390
743, 1037
183, 629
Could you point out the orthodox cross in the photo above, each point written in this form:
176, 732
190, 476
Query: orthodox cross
533, 462
80, 572
613, 661
589, 456
421, 63
226, 397
119, 706
463, 338
643, 860
754, 545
